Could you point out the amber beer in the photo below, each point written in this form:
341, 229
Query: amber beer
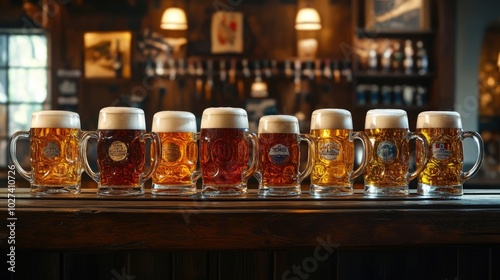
387, 173
227, 151
333, 166
177, 132
121, 151
279, 156
54, 152
443, 173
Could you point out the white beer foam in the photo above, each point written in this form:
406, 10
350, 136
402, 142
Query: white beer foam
121, 118
278, 124
174, 121
386, 118
224, 117
55, 119
331, 119
439, 119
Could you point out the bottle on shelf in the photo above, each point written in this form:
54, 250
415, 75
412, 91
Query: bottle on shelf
118, 61
422, 59
408, 62
385, 60
397, 57
372, 57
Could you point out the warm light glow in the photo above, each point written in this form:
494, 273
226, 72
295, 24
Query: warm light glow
174, 19
307, 19
259, 89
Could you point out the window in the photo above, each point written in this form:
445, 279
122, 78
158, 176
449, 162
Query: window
23, 82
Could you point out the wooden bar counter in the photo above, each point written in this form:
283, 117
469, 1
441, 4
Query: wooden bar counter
257, 238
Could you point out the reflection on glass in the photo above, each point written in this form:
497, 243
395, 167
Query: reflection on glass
3, 83
3, 147
28, 85
20, 116
28, 50
3, 50
3, 119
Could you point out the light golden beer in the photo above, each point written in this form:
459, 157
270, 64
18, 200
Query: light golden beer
177, 132
333, 165
443, 173
279, 156
54, 152
387, 173
121, 152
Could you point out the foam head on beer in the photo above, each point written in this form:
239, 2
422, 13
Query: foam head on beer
331, 119
386, 118
439, 119
224, 117
278, 124
121, 118
174, 121
55, 119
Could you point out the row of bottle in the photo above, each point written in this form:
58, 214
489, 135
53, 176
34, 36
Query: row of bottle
391, 57
398, 95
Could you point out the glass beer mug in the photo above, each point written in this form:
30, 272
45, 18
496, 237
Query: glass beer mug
179, 153
56, 166
333, 170
387, 173
279, 156
443, 173
227, 151
121, 135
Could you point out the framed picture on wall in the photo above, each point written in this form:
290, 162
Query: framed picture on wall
227, 32
107, 54
397, 15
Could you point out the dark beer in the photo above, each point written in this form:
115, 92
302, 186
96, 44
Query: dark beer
279, 159
227, 159
224, 156
120, 157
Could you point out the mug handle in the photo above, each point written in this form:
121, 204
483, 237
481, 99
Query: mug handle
86, 135
425, 151
367, 151
311, 146
480, 147
196, 175
155, 140
254, 159
28, 175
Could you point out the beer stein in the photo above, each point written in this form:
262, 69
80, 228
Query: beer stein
443, 173
279, 156
333, 170
227, 151
121, 135
56, 166
387, 173
179, 153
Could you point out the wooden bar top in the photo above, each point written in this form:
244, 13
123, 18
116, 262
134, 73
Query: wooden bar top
87, 222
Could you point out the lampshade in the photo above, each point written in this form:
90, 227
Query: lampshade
174, 19
259, 88
307, 19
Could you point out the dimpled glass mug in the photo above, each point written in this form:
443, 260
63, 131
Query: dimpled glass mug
333, 167
227, 151
443, 173
387, 173
279, 156
121, 135
56, 166
179, 156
